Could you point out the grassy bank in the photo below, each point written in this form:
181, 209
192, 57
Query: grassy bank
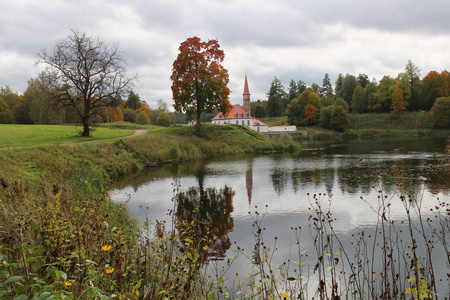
374, 125
18, 135
61, 237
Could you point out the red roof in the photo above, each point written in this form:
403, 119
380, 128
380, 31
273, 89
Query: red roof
237, 112
246, 91
258, 123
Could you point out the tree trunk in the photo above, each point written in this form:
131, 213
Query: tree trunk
85, 128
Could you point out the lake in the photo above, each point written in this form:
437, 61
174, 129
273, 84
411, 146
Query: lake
365, 184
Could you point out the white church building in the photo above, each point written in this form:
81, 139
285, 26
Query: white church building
241, 115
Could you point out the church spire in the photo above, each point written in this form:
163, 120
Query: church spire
246, 91
246, 97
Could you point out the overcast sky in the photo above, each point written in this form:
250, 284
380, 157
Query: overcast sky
289, 39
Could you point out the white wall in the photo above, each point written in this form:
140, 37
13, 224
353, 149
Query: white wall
283, 128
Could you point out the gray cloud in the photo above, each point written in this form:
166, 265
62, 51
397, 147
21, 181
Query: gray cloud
300, 40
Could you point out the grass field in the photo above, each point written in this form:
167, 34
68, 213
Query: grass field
14, 135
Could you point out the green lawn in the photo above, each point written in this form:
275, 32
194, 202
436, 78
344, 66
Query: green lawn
15, 135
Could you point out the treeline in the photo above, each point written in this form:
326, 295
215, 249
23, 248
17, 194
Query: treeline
38, 105
305, 106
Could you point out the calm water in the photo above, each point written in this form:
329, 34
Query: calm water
347, 174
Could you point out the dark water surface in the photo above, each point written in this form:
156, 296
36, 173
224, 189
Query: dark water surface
349, 176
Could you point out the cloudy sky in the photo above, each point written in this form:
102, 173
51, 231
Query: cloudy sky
289, 39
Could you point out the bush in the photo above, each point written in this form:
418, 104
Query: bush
339, 118
163, 119
341, 102
129, 115
325, 117
440, 112
142, 118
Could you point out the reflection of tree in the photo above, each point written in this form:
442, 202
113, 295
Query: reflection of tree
279, 180
249, 181
204, 216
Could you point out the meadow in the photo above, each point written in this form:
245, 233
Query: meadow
18, 135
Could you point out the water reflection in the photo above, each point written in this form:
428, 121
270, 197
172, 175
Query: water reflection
204, 216
346, 171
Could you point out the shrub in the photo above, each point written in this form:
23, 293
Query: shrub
129, 115
142, 118
163, 119
339, 118
440, 112
325, 117
341, 102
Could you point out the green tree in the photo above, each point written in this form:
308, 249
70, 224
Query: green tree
338, 88
6, 116
315, 88
163, 119
384, 94
398, 104
86, 73
275, 99
363, 80
370, 95
341, 102
9, 97
42, 105
403, 82
413, 72
293, 90
359, 103
327, 101
129, 115
142, 118
339, 118
260, 112
199, 81
314, 100
327, 88
325, 117
295, 111
440, 112
301, 86
134, 101
348, 87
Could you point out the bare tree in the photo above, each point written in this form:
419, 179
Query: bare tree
87, 74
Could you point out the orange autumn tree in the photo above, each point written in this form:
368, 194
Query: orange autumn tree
398, 103
199, 81
145, 108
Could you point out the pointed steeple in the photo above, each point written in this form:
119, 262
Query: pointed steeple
246, 97
246, 91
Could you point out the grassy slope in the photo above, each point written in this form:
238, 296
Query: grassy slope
63, 187
14, 135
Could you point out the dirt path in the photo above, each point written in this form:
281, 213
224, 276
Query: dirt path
137, 132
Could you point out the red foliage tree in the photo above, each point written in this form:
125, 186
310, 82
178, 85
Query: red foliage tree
199, 81
311, 114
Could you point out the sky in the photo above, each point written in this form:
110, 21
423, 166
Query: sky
289, 39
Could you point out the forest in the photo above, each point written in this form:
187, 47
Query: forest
301, 104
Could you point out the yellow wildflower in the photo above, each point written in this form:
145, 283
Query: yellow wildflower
106, 248
68, 283
284, 295
109, 271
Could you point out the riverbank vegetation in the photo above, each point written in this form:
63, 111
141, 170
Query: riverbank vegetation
373, 125
61, 236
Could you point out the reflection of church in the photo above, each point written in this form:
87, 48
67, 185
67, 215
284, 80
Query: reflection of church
249, 181
241, 115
